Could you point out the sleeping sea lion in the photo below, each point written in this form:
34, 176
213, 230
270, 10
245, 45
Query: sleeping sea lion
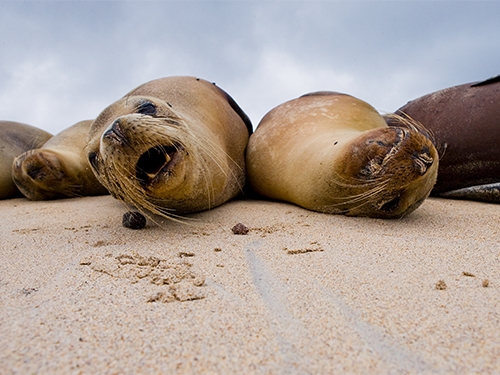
333, 153
16, 138
59, 168
172, 146
465, 121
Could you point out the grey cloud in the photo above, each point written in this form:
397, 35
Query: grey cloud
65, 61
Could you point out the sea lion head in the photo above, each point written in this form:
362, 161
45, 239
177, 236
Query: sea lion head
43, 174
388, 171
15, 139
58, 169
156, 158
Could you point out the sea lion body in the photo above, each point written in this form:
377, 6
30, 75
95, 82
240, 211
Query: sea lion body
172, 146
16, 138
59, 168
333, 153
465, 122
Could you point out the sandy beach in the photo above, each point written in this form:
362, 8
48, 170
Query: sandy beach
301, 293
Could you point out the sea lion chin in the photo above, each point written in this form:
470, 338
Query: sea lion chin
333, 153
172, 146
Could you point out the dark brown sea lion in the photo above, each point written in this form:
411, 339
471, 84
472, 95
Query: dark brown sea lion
16, 138
172, 146
465, 122
59, 168
333, 153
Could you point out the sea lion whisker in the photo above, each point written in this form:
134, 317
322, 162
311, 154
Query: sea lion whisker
135, 196
355, 182
209, 147
362, 199
212, 149
403, 120
364, 195
198, 144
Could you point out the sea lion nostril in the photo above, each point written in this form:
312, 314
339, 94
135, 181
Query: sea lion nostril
423, 160
115, 133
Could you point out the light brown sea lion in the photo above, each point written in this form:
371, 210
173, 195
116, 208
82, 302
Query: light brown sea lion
16, 138
465, 121
333, 153
172, 146
58, 169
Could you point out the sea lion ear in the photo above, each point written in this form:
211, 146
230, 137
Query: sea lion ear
146, 108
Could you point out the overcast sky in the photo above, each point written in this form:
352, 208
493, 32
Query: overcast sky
65, 61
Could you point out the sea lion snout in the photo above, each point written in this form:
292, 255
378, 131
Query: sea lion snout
379, 147
37, 174
390, 148
40, 165
115, 133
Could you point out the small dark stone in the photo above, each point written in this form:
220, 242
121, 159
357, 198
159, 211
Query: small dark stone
28, 291
133, 220
240, 229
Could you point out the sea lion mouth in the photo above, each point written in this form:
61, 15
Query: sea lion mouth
157, 161
391, 205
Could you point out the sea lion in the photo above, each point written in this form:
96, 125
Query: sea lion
333, 153
465, 121
58, 169
16, 138
171, 146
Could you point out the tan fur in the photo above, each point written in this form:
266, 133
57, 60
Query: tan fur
196, 135
333, 153
16, 138
59, 168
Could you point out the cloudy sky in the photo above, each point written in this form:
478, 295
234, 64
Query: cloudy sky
65, 61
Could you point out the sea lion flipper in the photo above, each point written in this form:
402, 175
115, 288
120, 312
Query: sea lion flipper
484, 193
487, 81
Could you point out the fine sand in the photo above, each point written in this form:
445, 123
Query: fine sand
301, 293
